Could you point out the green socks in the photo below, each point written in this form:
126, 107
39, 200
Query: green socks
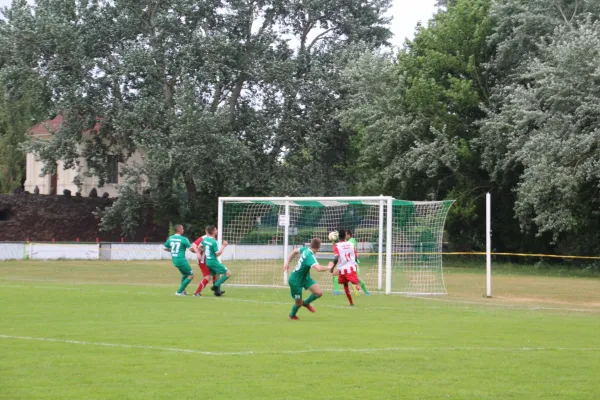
310, 299
363, 286
295, 309
336, 285
221, 280
184, 282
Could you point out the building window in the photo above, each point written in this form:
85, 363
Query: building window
112, 169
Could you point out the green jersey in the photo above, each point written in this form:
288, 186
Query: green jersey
302, 271
178, 245
211, 248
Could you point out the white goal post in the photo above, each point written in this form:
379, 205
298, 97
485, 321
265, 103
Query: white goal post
399, 242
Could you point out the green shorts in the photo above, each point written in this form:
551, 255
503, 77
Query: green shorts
184, 268
296, 289
216, 268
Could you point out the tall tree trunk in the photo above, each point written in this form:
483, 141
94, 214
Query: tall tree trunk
190, 187
235, 95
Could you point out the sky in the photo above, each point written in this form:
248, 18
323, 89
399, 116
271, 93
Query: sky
406, 14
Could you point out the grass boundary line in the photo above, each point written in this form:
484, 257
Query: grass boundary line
302, 351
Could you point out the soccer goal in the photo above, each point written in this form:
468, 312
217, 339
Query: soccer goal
399, 242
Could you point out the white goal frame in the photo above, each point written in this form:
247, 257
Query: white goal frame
385, 203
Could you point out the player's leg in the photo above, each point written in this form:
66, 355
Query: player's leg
362, 284
348, 295
343, 280
186, 277
353, 279
296, 292
220, 269
336, 286
316, 293
202, 285
363, 287
205, 279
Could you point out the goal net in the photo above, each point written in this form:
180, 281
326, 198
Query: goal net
261, 232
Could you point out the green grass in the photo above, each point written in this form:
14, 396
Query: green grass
389, 347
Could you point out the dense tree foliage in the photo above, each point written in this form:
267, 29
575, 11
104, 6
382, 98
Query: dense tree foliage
272, 97
24, 100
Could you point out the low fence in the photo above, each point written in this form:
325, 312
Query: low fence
125, 251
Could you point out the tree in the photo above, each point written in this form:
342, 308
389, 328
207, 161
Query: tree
549, 128
207, 91
23, 97
415, 117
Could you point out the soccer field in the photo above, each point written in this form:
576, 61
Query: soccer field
110, 330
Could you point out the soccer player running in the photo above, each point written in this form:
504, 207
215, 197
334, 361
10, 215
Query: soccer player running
300, 277
350, 239
199, 250
212, 252
345, 261
177, 245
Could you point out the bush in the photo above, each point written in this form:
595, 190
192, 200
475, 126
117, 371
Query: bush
93, 193
67, 193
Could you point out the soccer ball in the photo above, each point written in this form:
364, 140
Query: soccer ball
334, 236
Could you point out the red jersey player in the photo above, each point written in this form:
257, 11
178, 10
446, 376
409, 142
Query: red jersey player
196, 248
345, 261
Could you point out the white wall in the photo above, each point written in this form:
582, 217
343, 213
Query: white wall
254, 252
33, 169
12, 251
154, 251
137, 251
65, 177
49, 251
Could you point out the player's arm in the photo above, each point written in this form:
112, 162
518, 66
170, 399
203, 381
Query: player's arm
186, 244
336, 253
322, 268
167, 245
290, 258
195, 247
222, 249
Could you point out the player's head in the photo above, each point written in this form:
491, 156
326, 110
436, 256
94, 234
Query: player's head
315, 244
341, 235
206, 229
178, 228
348, 234
211, 230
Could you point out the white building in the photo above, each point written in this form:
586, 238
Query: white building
55, 184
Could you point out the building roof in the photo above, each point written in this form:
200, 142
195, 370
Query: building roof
43, 127
49, 126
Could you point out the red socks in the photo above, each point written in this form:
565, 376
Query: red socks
348, 295
202, 285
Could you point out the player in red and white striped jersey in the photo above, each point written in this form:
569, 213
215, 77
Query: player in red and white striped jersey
196, 248
345, 264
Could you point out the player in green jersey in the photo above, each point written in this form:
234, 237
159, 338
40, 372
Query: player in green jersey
177, 245
212, 252
350, 239
300, 277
